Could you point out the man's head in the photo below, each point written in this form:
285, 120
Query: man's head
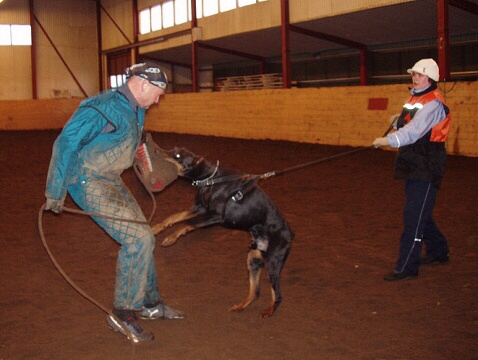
423, 73
147, 82
149, 70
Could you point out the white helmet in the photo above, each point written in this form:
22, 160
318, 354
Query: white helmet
426, 67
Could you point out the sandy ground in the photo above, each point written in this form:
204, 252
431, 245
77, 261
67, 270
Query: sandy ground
346, 214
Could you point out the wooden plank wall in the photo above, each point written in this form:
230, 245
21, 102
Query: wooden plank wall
351, 116
333, 116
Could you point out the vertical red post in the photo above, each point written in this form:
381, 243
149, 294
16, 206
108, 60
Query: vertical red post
194, 48
443, 38
33, 53
285, 32
363, 67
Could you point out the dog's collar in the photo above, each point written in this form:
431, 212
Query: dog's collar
209, 180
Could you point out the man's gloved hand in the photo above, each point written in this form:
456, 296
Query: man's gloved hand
54, 205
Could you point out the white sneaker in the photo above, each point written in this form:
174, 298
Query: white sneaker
160, 311
134, 331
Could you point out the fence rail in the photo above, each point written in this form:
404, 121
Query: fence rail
251, 82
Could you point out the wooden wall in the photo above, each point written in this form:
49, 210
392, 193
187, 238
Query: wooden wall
65, 47
351, 116
333, 116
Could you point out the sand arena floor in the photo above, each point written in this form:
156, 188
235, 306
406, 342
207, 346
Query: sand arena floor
346, 214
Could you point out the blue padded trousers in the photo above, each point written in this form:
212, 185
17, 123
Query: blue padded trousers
136, 277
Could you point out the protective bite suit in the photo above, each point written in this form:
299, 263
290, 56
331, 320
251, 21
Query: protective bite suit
96, 145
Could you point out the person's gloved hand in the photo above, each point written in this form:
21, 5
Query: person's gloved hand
54, 205
381, 141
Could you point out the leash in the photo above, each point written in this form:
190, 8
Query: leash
211, 180
71, 282
65, 275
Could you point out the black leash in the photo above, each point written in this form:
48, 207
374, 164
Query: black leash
300, 166
233, 177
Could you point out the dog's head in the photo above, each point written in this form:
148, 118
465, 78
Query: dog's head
185, 160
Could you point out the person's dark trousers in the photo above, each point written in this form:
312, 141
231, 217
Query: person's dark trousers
419, 226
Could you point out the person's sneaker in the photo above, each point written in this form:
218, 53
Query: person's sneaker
160, 311
437, 260
135, 332
397, 276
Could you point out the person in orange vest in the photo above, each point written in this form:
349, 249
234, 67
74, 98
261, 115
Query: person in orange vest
422, 129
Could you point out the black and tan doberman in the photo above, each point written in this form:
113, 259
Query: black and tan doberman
234, 201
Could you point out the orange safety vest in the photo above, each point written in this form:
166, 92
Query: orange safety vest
439, 131
425, 159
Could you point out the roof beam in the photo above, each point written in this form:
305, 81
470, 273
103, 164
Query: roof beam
465, 5
327, 37
230, 52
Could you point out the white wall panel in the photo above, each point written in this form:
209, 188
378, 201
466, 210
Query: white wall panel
15, 72
13, 12
304, 10
121, 11
71, 26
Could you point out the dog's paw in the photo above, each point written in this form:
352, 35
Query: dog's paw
170, 240
267, 312
236, 308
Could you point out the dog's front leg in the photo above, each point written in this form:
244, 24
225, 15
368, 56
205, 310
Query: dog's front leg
173, 219
183, 230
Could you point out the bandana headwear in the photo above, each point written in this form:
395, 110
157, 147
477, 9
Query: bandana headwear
149, 71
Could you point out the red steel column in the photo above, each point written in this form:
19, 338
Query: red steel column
135, 31
285, 32
194, 48
33, 53
443, 32
363, 67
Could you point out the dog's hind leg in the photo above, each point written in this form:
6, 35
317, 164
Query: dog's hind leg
255, 263
275, 262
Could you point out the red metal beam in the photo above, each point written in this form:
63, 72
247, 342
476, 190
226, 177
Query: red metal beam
285, 48
465, 5
363, 67
135, 30
230, 52
443, 39
33, 53
328, 37
345, 42
100, 44
194, 49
